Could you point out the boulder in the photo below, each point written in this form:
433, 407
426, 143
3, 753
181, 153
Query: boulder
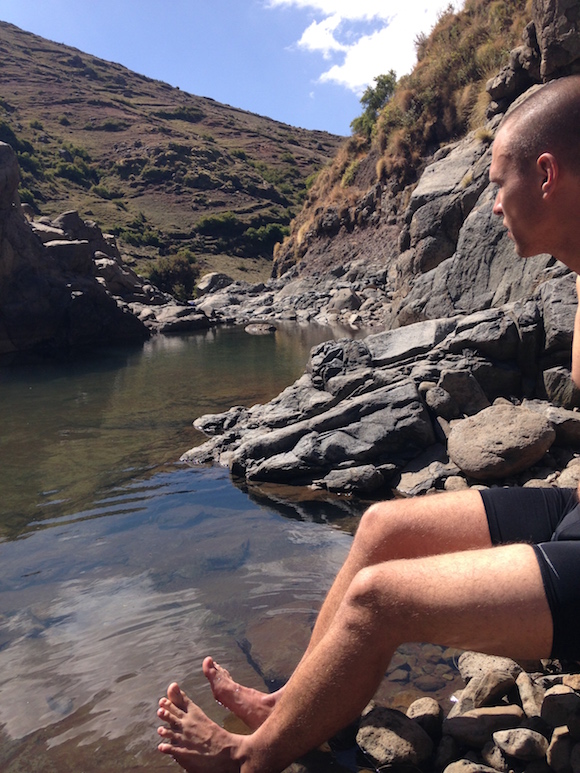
388, 737
557, 25
210, 283
499, 441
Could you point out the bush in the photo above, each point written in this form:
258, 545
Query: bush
176, 274
224, 225
187, 113
373, 100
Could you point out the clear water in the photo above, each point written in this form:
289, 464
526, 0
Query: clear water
121, 568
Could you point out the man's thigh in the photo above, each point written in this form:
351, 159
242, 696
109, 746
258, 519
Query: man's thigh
422, 526
490, 600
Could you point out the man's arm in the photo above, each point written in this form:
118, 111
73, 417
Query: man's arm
576, 340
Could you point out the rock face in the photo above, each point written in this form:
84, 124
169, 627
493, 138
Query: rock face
63, 285
49, 297
410, 408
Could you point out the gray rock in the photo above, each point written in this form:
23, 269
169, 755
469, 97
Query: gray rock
483, 689
521, 743
561, 706
408, 342
345, 298
260, 329
559, 751
494, 757
210, 283
558, 30
531, 695
364, 479
465, 391
499, 441
442, 403
429, 715
388, 737
471, 664
476, 727
468, 766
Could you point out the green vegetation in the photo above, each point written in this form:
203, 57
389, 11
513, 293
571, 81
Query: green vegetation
176, 274
373, 100
187, 113
109, 125
138, 233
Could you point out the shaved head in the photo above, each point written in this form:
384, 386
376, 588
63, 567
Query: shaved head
547, 122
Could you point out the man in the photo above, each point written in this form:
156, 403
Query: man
493, 571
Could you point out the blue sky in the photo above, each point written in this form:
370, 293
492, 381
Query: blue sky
303, 62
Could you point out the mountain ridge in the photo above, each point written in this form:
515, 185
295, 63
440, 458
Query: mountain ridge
162, 169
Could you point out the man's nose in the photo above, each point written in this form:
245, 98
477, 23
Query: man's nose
497, 207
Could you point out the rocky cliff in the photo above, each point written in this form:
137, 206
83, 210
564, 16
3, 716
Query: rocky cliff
64, 287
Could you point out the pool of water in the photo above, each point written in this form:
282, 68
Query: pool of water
122, 568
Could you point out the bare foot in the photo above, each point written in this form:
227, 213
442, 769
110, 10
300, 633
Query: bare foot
192, 739
251, 706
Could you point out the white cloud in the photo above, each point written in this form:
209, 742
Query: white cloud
359, 56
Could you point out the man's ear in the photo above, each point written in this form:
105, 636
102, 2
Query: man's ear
548, 170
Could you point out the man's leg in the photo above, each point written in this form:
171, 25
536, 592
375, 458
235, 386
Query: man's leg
491, 600
398, 528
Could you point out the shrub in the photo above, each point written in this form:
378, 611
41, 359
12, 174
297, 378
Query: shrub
187, 113
35, 124
176, 274
373, 100
226, 224
350, 173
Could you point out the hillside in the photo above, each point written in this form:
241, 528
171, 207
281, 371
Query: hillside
163, 170
442, 99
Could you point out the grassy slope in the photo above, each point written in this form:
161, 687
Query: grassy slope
163, 169
442, 98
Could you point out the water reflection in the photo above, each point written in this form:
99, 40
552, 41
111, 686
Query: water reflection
122, 569
71, 431
100, 612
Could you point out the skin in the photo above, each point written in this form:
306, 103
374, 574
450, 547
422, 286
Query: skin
419, 569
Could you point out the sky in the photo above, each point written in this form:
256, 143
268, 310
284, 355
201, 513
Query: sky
302, 62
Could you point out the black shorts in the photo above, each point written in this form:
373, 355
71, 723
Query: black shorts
548, 519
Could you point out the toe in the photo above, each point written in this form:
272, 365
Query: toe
177, 697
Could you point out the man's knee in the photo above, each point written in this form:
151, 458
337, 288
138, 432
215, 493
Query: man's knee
373, 593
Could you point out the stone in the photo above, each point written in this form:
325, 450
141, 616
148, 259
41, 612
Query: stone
561, 706
464, 390
467, 766
447, 751
429, 715
344, 298
476, 727
407, 342
483, 689
442, 403
557, 28
531, 695
521, 743
210, 283
499, 441
365, 478
388, 737
493, 756
260, 329
560, 750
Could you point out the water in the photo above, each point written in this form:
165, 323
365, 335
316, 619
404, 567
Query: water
121, 568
